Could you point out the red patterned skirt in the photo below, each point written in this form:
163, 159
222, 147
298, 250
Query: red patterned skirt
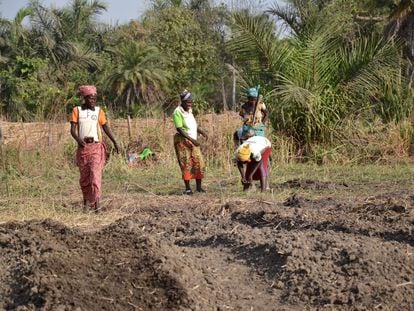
91, 161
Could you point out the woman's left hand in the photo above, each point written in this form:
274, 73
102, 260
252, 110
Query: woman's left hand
202, 133
116, 147
195, 142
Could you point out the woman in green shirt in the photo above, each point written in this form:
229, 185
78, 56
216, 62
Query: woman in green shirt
187, 147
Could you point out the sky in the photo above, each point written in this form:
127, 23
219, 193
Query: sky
119, 11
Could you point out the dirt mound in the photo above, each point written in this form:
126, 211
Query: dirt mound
48, 266
206, 254
331, 264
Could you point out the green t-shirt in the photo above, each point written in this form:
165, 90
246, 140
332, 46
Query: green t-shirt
185, 120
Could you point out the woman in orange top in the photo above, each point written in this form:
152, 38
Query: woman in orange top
87, 121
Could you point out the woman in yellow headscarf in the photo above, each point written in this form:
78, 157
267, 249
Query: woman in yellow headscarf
253, 161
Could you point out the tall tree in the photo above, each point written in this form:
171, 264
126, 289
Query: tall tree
13, 35
192, 55
65, 35
139, 77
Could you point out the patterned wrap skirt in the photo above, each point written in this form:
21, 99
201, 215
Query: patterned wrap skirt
263, 169
189, 158
91, 161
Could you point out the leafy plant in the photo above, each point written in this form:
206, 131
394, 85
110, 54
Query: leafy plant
139, 76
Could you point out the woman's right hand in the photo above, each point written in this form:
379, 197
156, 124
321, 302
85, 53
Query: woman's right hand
244, 181
195, 143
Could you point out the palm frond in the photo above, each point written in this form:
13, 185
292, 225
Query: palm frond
367, 64
140, 76
288, 14
256, 46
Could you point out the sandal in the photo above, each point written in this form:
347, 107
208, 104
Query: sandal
188, 192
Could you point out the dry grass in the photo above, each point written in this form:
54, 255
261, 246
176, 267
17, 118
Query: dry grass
42, 182
358, 143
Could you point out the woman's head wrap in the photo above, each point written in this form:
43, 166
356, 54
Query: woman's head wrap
244, 152
86, 90
186, 95
252, 92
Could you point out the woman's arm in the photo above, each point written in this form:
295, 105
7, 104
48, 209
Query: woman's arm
185, 135
202, 132
108, 132
265, 115
256, 165
75, 135
242, 171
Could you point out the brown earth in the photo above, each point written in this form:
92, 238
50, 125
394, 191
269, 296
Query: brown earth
206, 253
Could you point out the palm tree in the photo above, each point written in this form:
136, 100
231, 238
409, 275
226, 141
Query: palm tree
314, 79
13, 35
401, 26
163, 4
139, 77
79, 20
13, 45
62, 35
300, 16
256, 46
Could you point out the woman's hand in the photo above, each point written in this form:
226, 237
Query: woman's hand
202, 133
244, 181
116, 147
195, 143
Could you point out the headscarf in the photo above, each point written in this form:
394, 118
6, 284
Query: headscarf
186, 95
86, 90
244, 152
252, 92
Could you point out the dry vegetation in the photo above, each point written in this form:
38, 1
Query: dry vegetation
40, 180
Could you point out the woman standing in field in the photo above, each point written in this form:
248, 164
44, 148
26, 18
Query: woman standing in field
187, 147
87, 121
253, 113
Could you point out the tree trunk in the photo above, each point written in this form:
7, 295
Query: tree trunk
233, 95
408, 32
223, 93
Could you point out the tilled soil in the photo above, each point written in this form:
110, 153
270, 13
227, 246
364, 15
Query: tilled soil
203, 253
